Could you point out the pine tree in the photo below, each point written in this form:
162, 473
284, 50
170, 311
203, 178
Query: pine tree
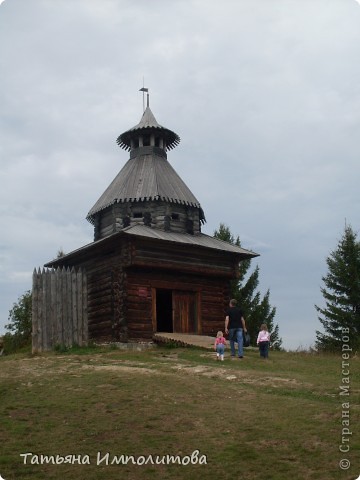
341, 292
257, 310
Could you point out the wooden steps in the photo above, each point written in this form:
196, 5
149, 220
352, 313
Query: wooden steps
184, 340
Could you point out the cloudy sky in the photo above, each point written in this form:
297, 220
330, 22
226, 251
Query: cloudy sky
265, 95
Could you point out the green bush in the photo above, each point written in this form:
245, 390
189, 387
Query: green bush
20, 326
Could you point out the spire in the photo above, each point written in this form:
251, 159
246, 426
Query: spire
147, 190
143, 89
148, 125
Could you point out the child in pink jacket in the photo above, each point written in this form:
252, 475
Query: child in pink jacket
263, 340
219, 345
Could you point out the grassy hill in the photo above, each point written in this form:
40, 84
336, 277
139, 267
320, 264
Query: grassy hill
178, 414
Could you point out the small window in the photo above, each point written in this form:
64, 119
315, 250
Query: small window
138, 215
146, 140
147, 219
175, 216
126, 221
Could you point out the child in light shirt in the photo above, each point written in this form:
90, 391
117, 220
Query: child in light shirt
263, 340
219, 345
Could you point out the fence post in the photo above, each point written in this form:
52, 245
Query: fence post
35, 313
84, 303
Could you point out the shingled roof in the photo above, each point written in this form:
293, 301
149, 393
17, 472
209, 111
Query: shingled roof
200, 240
191, 241
149, 124
146, 177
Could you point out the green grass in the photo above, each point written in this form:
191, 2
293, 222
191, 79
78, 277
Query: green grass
252, 419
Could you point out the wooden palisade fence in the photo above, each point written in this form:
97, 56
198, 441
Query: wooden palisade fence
59, 309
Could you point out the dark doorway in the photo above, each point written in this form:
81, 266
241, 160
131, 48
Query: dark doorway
164, 320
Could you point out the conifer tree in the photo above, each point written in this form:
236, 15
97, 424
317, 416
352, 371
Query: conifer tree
257, 310
341, 293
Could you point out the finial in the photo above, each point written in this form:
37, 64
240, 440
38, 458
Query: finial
143, 89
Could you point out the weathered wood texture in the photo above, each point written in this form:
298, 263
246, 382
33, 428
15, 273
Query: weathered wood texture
105, 279
172, 217
59, 308
213, 297
123, 275
183, 258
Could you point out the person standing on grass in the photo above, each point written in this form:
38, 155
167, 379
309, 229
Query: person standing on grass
219, 346
234, 326
263, 340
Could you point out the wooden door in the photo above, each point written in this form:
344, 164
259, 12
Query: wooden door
184, 312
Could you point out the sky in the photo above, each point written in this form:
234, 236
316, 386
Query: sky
265, 95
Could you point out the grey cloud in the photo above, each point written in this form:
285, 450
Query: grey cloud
264, 95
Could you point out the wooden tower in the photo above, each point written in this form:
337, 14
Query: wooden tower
150, 269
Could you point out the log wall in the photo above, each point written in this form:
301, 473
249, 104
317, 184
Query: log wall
59, 309
172, 217
123, 274
213, 298
184, 258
